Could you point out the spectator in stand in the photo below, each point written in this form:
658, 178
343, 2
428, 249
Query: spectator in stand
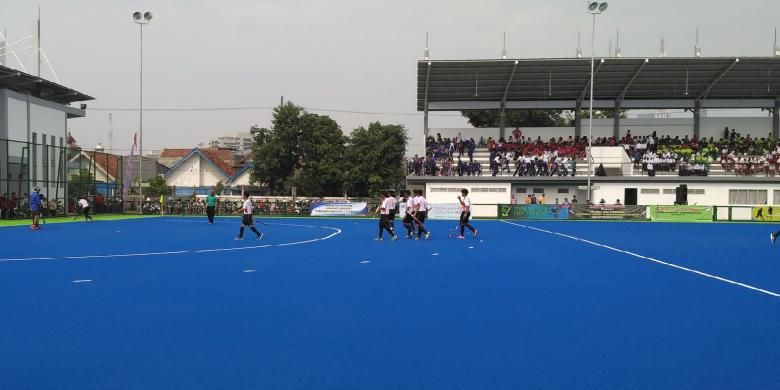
4, 206
574, 200
100, 203
13, 204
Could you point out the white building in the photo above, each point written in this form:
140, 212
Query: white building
242, 142
34, 115
200, 168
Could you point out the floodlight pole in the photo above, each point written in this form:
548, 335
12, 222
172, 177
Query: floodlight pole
590, 110
141, 22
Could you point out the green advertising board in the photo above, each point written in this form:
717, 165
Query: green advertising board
681, 213
532, 211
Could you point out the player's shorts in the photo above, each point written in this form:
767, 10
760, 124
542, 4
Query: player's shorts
247, 220
408, 218
464, 217
391, 216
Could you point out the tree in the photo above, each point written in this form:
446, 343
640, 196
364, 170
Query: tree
157, 187
276, 151
375, 158
219, 188
322, 157
300, 149
515, 118
81, 184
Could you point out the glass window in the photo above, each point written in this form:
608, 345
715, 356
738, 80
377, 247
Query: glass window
747, 197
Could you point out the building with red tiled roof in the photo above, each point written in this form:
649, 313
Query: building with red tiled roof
201, 168
169, 157
104, 166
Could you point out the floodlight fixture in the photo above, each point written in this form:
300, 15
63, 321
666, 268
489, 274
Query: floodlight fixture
603, 6
593, 6
148, 15
137, 16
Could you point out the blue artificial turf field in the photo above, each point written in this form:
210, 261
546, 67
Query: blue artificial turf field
177, 303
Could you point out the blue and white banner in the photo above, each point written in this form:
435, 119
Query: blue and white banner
450, 211
339, 208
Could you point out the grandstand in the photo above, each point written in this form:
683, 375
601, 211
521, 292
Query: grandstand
638, 160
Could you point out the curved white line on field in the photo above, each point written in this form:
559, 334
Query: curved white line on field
336, 231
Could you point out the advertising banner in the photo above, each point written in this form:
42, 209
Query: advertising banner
608, 212
766, 213
681, 213
449, 211
533, 211
341, 208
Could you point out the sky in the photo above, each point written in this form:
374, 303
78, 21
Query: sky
346, 55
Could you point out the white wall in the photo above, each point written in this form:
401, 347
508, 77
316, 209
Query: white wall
756, 127
195, 172
715, 194
242, 180
44, 120
489, 194
17, 121
550, 192
416, 143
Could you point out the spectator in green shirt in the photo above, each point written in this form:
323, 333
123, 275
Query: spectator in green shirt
211, 205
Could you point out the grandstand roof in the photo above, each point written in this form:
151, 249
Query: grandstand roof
21, 82
562, 83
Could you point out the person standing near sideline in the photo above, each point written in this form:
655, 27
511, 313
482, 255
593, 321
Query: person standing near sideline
408, 220
246, 219
420, 212
84, 204
384, 217
211, 206
35, 209
392, 204
465, 214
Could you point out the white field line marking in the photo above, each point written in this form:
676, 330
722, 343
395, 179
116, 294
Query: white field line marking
27, 259
336, 231
82, 281
249, 271
365, 261
123, 255
686, 269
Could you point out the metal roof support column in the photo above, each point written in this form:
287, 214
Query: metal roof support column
776, 120
425, 121
697, 118
502, 121
578, 120
425, 101
616, 121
